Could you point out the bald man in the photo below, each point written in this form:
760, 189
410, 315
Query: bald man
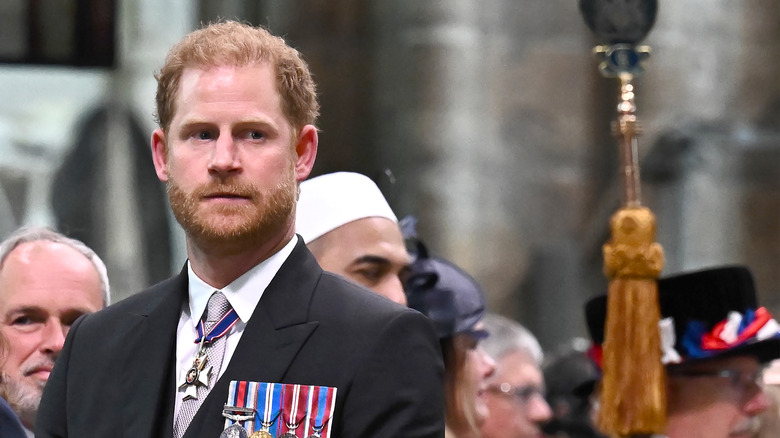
348, 225
47, 281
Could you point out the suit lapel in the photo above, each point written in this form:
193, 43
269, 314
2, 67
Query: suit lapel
274, 334
149, 370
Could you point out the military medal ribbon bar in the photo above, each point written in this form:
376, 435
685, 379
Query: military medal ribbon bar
281, 410
294, 411
322, 402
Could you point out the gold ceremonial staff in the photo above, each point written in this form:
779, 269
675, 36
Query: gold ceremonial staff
633, 387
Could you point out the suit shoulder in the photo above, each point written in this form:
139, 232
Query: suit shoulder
346, 300
140, 303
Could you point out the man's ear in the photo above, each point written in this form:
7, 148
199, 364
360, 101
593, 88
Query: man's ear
160, 154
306, 152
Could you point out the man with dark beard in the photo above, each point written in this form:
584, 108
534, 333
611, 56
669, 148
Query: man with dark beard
47, 281
252, 336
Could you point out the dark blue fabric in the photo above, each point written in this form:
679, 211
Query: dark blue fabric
445, 293
10, 426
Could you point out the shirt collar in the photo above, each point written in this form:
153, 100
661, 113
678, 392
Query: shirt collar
244, 292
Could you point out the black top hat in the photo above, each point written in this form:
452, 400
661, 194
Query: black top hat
446, 294
714, 314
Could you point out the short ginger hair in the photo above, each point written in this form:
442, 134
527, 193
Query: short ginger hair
237, 44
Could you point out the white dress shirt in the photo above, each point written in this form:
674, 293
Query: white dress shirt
243, 294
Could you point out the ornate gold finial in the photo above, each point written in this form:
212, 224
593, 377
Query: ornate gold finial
633, 252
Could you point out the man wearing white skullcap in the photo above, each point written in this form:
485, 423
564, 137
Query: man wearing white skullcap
349, 227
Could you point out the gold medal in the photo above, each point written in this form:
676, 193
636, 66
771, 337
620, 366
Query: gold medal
265, 431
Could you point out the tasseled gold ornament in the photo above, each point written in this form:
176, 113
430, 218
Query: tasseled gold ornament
633, 389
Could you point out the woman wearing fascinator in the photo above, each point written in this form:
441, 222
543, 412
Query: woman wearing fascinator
455, 303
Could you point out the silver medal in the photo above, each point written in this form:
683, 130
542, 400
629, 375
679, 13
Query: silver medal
234, 431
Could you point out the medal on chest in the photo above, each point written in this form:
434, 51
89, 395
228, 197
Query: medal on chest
237, 414
317, 430
265, 430
294, 408
234, 431
281, 410
198, 374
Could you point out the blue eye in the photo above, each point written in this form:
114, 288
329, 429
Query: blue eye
203, 135
256, 135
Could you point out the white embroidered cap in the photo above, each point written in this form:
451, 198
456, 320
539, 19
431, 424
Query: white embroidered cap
330, 201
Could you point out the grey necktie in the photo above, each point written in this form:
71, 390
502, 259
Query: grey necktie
218, 306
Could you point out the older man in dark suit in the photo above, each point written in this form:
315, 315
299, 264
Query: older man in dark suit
236, 110
47, 280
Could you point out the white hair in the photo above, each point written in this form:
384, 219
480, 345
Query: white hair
508, 336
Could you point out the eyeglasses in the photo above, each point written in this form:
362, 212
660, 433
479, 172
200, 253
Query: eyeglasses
738, 379
523, 393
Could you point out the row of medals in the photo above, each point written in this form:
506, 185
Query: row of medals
237, 431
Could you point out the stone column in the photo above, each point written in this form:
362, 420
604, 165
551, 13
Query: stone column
478, 110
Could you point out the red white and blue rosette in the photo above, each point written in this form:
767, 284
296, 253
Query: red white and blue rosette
697, 342
736, 330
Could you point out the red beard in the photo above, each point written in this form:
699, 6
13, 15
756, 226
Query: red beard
231, 229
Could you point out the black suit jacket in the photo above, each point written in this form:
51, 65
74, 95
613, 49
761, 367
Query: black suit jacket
115, 375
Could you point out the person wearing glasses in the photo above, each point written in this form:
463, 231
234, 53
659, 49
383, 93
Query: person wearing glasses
455, 303
716, 341
515, 392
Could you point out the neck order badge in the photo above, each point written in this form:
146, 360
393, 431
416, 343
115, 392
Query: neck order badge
198, 374
277, 410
